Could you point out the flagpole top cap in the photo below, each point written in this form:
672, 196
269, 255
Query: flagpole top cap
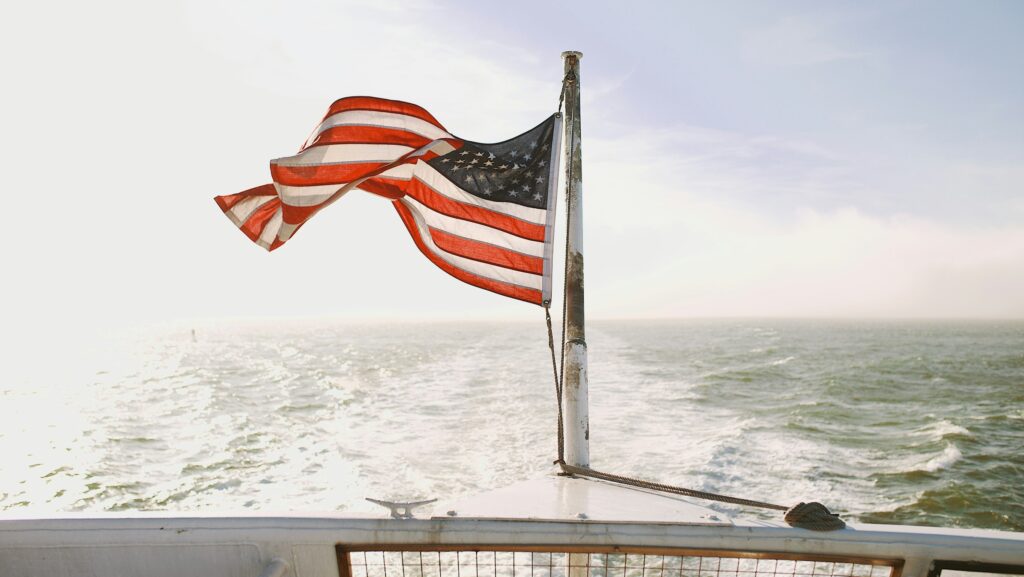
568, 53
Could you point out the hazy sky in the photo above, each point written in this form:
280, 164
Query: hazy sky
740, 158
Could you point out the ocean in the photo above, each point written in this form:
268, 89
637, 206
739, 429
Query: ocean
910, 422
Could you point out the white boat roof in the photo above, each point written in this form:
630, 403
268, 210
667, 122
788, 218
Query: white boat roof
560, 498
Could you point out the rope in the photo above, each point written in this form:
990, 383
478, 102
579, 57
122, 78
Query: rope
668, 488
559, 368
813, 516
566, 81
558, 384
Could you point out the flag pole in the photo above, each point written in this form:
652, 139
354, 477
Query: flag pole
574, 361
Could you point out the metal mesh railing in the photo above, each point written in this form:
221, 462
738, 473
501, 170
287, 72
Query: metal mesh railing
570, 564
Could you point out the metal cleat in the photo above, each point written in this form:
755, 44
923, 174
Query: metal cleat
400, 510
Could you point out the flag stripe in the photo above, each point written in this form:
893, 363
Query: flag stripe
478, 268
345, 153
308, 195
476, 231
386, 187
270, 230
241, 211
300, 176
364, 134
228, 201
503, 288
383, 120
381, 105
484, 252
444, 205
254, 225
436, 181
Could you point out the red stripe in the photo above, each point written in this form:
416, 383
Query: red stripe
382, 105
227, 201
455, 209
298, 214
517, 292
369, 135
386, 187
322, 173
487, 253
253, 227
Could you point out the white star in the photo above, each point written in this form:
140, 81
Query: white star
542, 163
533, 145
526, 157
503, 166
536, 196
459, 161
474, 161
490, 155
513, 193
513, 153
488, 163
501, 187
455, 168
515, 166
464, 153
487, 191
469, 178
540, 179
516, 181
479, 154
526, 188
444, 160
545, 147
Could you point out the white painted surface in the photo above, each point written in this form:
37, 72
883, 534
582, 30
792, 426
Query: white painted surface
559, 498
156, 546
577, 407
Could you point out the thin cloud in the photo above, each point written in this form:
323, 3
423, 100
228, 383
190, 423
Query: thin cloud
686, 244
797, 41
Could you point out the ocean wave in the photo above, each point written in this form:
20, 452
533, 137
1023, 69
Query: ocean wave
943, 429
944, 461
781, 361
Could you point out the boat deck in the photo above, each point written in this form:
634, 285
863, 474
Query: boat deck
468, 545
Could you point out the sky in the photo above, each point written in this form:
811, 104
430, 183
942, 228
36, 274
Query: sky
784, 159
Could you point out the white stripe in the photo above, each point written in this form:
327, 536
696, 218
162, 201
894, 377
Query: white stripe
316, 194
341, 153
286, 231
478, 268
244, 209
307, 195
270, 230
476, 231
549, 226
382, 120
435, 180
400, 172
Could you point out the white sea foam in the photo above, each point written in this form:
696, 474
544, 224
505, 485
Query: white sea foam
782, 361
944, 461
941, 429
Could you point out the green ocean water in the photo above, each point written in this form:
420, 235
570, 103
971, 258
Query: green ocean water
910, 422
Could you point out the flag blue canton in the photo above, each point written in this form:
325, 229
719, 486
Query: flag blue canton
516, 170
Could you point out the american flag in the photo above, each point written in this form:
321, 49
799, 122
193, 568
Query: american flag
483, 213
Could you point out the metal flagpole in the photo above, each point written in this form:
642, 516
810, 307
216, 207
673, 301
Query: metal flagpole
574, 360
